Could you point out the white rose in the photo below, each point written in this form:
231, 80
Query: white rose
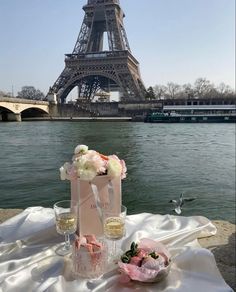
64, 171
81, 149
85, 168
114, 167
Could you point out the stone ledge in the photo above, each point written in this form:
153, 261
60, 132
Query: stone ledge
222, 245
8, 213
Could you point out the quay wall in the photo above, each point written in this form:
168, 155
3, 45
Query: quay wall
104, 109
138, 109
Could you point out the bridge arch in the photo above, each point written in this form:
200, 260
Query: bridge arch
25, 107
6, 114
17, 107
5, 107
12, 108
33, 112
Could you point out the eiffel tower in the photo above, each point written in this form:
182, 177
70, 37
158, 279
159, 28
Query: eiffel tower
93, 69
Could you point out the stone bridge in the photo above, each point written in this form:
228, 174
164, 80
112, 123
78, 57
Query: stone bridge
12, 109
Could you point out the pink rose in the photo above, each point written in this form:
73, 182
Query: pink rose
142, 253
124, 169
135, 261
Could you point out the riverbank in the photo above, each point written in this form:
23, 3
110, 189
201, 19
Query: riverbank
79, 119
222, 245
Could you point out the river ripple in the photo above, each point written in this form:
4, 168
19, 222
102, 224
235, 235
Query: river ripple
163, 160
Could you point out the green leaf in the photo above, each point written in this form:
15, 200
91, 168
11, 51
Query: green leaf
125, 259
129, 253
154, 255
132, 247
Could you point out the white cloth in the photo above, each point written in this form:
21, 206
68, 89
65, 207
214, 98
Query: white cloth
28, 261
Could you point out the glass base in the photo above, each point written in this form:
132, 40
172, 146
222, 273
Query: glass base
62, 250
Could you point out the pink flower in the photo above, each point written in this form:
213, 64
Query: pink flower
98, 163
135, 261
138, 273
151, 263
114, 167
87, 164
67, 171
149, 245
122, 171
142, 253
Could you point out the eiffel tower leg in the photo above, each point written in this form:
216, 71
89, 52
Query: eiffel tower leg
59, 86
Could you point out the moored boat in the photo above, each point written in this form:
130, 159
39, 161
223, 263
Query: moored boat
194, 114
158, 117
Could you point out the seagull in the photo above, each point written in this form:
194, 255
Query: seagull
179, 203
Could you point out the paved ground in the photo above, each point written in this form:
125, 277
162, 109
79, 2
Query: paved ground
222, 245
8, 213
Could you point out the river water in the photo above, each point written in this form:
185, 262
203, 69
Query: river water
163, 160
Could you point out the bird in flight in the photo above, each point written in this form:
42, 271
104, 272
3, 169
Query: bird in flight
180, 202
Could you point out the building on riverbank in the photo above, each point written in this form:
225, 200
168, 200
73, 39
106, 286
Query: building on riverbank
135, 110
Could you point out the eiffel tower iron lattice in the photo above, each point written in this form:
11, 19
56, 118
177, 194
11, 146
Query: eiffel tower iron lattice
90, 67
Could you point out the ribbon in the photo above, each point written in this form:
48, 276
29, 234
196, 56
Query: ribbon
111, 194
97, 199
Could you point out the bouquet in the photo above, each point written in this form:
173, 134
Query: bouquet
87, 164
147, 261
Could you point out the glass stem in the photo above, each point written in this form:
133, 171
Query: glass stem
113, 252
67, 242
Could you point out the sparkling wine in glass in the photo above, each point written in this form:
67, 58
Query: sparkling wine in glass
114, 226
66, 222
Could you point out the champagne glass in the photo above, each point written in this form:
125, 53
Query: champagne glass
114, 226
66, 222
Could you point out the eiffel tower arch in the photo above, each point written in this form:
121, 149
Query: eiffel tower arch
93, 69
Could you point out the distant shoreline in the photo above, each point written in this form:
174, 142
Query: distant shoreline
81, 119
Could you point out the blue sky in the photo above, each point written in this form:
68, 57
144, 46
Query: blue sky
173, 40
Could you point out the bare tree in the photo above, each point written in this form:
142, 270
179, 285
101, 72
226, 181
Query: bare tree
188, 91
173, 89
225, 90
29, 92
160, 91
202, 87
6, 94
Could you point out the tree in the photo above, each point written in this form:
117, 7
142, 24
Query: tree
5, 94
225, 90
29, 92
159, 91
203, 87
173, 89
188, 91
150, 93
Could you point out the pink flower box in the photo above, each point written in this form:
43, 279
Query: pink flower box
103, 192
